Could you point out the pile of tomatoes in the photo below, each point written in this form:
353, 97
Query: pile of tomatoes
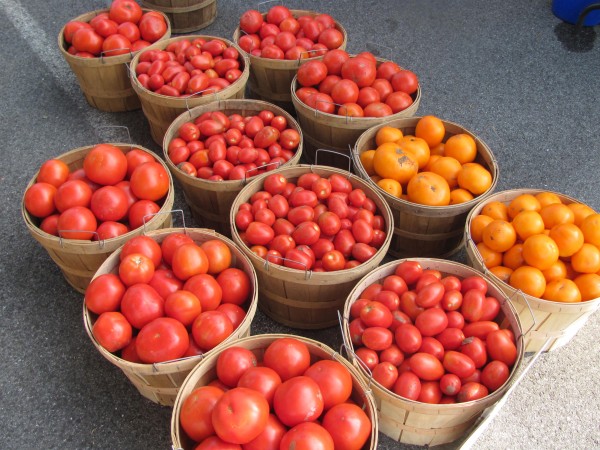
189, 67
356, 86
317, 223
283, 401
219, 147
426, 167
168, 300
125, 28
541, 245
432, 338
280, 35
113, 193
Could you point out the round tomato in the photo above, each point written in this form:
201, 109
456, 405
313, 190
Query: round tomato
333, 379
77, 223
112, 331
189, 260
135, 157
232, 363
471, 391
109, 203
235, 284
289, 357
144, 245
150, 181
430, 392
405, 81
385, 373
408, 385
410, 271
163, 339
206, 288
218, 254
183, 306
270, 437
104, 293
105, 164
349, 426
211, 328
165, 282
152, 28
136, 268
450, 384
116, 44
298, 400
195, 415
171, 243
125, 11
141, 304
39, 199
432, 321
262, 379
494, 375
87, 40
307, 436
54, 172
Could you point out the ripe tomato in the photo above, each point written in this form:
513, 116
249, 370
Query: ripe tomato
500, 346
104, 293
189, 260
39, 199
289, 357
307, 436
480, 329
432, 321
87, 40
408, 338
144, 245
450, 384
427, 367
410, 271
54, 172
105, 164
491, 308
183, 306
471, 391
165, 282
77, 223
430, 295
235, 284
234, 312
333, 379
311, 73
211, 328
270, 437
251, 21
432, 346
385, 373
262, 379
135, 268
405, 81
298, 400
109, 230
259, 233
150, 181
349, 426
472, 305
72, 193
109, 203
163, 339
195, 416
171, 243
494, 375
206, 288
475, 349
152, 28
116, 44
452, 300
125, 11
214, 442
360, 70
135, 157
141, 304
459, 364
112, 331
218, 254
408, 386
451, 338
232, 363
430, 392
376, 314
474, 282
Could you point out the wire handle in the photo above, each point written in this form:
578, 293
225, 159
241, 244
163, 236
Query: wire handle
307, 271
123, 127
95, 233
521, 294
187, 97
113, 50
334, 152
350, 350
156, 366
278, 163
259, 4
151, 216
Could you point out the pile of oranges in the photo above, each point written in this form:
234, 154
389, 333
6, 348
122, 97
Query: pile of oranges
423, 168
541, 245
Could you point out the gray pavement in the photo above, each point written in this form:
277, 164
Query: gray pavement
509, 71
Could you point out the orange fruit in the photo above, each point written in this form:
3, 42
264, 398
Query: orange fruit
489, 257
495, 209
428, 188
513, 257
474, 178
388, 134
431, 129
527, 223
462, 147
478, 223
499, 235
458, 196
580, 212
390, 161
502, 272
590, 226
523, 202
540, 251
417, 147
556, 271
547, 198
437, 149
390, 186
432, 159
568, 237
589, 286
366, 159
448, 168
556, 213
564, 290
529, 280
586, 259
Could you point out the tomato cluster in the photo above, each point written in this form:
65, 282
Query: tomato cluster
432, 338
219, 147
277, 403
356, 86
125, 28
317, 223
180, 297
113, 193
280, 35
189, 67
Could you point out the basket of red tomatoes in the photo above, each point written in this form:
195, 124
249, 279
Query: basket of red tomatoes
98, 45
165, 300
84, 204
278, 42
275, 391
439, 343
311, 232
215, 149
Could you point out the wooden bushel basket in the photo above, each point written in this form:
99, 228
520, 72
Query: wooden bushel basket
307, 299
105, 80
270, 79
161, 110
186, 15
420, 230
210, 201
417, 423
554, 323
339, 133
206, 371
160, 382
78, 259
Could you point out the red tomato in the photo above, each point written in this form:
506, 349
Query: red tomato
112, 331
430, 392
494, 375
105, 164
259, 233
195, 415
270, 437
311, 73
298, 400
262, 379
474, 282
72, 193
459, 364
432, 321
405, 81
39, 199
368, 357
218, 254
150, 181
307, 436
360, 70
234, 312
207, 289
501, 347
109, 203
398, 101
135, 268
104, 293
475, 349
163, 339
130, 31
408, 338
141, 304
77, 222
348, 425
87, 40
408, 386
214, 442
450, 384
135, 157
472, 305
433, 347
71, 27
385, 373
452, 300
471, 391
152, 28
289, 357
232, 363
144, 245
54, 172
480, 329
251, 21
189, 260
211, 328
430, 295
455, 320
427, 367
125, 11
410, 271
491, 308
116, 44
333, 379
377, 338
235, 285
451, 338
183, 306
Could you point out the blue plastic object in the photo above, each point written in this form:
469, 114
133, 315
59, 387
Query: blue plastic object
569, 11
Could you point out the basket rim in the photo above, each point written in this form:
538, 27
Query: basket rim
166, 202
471, 247
411, 121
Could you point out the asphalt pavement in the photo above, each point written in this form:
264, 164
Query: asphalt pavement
509, 71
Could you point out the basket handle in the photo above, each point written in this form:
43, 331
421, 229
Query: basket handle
316, 53
348, 118
349, 349
259, 4
187, 106
520, 293
307, 271
148, 217
114, 50
378, 48
334, 152
123, 127
278, 163
95, 233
